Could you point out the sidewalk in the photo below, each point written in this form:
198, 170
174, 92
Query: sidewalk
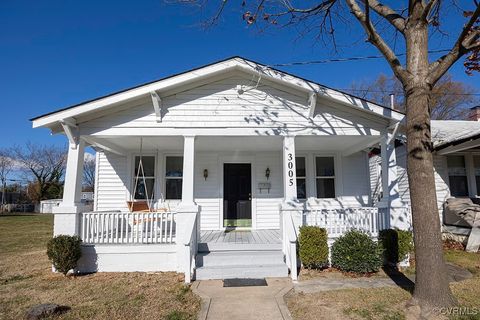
243, 302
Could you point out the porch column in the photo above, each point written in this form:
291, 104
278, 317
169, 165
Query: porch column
187, 231
188, 171
290, 203
395, 208
289, 169
67, 213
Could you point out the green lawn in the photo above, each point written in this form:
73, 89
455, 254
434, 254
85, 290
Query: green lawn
26, 279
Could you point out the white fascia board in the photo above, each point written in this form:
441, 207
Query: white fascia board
460, 147
218, 68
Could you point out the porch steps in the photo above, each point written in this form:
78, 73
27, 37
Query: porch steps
227, 261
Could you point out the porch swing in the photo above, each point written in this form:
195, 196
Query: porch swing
140, 205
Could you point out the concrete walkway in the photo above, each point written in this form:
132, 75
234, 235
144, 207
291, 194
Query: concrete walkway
328, 284
263, 302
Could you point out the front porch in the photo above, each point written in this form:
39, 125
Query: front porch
287, 182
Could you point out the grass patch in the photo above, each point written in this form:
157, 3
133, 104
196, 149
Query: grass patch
386, 303
26, 279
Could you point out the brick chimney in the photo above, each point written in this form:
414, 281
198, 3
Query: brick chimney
474, 114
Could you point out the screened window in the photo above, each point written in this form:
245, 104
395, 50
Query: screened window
325, 177
301, 177
457, 176
144, 188
173, 178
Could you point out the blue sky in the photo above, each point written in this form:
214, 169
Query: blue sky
58, 53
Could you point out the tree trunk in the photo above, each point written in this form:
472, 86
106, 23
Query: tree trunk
431, 281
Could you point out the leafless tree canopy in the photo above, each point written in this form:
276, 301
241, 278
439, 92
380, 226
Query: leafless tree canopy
6, 164
449, 99
44, 167
89, 174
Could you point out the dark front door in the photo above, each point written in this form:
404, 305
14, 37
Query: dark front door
237, 195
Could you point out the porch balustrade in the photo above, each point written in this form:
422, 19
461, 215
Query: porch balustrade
114, 227
339, 221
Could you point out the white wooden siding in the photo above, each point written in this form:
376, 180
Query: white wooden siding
112, 181
267, 202
403, 189
374, 163
218, 104
441, 179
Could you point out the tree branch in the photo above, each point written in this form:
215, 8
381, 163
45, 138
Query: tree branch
375, 39
467, 41
428, 8
389, 14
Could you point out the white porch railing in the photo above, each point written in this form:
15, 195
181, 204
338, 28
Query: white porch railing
339, 221
128, 227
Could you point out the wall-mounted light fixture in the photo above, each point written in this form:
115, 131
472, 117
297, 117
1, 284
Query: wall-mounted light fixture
205, 174
267, 173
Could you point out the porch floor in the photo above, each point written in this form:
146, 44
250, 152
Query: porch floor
241, 236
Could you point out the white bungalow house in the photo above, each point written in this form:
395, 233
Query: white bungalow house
236, 156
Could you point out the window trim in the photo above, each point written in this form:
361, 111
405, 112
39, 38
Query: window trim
134, 174
302, 177
335, 177
165, 178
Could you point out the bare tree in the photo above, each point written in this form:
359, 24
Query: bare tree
449, 99
89, 174
44, 167
6, 166
415, 22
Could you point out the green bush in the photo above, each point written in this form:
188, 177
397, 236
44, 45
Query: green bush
397, 244
356, 252
64, 252
313, 247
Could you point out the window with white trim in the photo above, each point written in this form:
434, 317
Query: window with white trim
457, 176
325, 177
144, 182
173, 177
301, 171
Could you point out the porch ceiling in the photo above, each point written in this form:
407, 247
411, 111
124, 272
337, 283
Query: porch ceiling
202, 143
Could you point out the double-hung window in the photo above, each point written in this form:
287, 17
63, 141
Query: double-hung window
325, 177
301, 177
144, 182
457, 176
173, 177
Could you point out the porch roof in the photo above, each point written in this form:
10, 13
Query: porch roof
314, 89
455, 135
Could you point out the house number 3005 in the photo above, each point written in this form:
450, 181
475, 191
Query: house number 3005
290, 169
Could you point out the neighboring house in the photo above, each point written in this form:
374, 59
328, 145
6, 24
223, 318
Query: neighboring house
47, 206
231, 145
456, 161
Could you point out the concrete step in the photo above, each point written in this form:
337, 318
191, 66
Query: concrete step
241, 271
225, 246
234, 258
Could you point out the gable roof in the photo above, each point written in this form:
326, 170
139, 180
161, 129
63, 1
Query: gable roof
223, 66
452, 132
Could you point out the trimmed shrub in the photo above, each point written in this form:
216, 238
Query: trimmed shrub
313, 247
357, 252
64, 252
397, 244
